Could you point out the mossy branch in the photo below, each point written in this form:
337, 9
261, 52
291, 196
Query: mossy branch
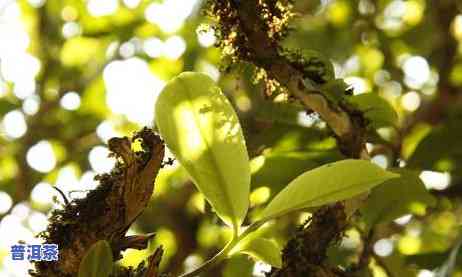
253, 29
107, 212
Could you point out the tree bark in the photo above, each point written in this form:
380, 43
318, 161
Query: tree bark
107, 212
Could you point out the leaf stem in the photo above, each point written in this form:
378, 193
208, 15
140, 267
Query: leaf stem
220, 256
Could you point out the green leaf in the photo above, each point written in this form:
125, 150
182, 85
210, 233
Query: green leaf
396, 197
378, 110
97, 262
202, 130
264, 250
238, 265
325, 184
276, 169
257, 246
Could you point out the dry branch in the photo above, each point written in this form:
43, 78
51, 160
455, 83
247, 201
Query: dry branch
107, 212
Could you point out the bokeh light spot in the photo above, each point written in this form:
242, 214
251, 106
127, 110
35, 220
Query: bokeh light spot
70, 101
410, 101
41, 157
42, 194
174, 47
14, 124
102, 8
383, 247
435, 180
417, 71
99, 160
5, 202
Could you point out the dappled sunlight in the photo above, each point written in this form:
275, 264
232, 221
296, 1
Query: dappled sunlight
417, 71
426, 273
260, 195
170, 14
70, 101
403, 220
31, 105
131, 89
380, 160
358, 84
384, 247
260, 269
196, 113
457, 27
435, 180
74, 74
206, 37
67, 180
107, 130
411, 101
214, 73
194, 144
153, 47
5, 202
99, 160
71, 29
43, 194
174, 47
101, 8
41, 157
17, 75
14, 124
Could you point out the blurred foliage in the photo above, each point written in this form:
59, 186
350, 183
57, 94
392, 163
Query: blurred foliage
75, 73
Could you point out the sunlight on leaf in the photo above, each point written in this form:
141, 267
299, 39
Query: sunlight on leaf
326, 184
264, 250
202, 130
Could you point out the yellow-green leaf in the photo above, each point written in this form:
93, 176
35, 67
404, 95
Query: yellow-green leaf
328, 183
262, 249
202, 130
97, 262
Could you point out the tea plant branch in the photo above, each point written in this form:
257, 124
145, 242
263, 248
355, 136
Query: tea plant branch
253, 30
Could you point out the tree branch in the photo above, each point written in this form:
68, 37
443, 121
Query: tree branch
107, 212
252, 29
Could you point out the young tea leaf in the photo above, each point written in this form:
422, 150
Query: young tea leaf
325, 184
202, 130
277, 168
379, 112
97, 262
238, 265
260, 248
264, 250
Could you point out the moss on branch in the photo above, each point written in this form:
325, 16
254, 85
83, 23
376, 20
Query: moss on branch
107, 212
